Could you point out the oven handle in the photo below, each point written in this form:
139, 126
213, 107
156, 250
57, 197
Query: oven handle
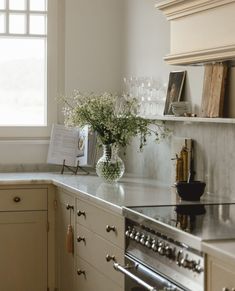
124, 270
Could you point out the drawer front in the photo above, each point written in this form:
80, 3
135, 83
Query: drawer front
23, 199
94, 249
220, 275
104, 223
92, 280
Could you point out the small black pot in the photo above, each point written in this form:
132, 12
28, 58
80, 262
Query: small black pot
191, 191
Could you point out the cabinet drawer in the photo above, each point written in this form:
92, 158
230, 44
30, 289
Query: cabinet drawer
92, 280
220, 275
23, 199
101, 222
94, 250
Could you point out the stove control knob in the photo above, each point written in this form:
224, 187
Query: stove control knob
142, 240
179, 258
154, 246
198, 268
148, 243
128, 231
132, 234
169, 252
191, 265
137, 237
185, 262
161, 248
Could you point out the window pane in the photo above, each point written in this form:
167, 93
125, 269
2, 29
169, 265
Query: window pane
2, 22
17, 4
38, 5
37, 24
17, 23
22, 82
2, 4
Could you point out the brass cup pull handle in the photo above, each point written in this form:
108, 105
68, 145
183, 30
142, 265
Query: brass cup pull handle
110, 258
69, 207
81, 272
110, 228
80, 213
16, 199
80, 238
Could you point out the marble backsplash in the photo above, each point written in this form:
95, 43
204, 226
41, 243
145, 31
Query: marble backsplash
21, 168
214, 153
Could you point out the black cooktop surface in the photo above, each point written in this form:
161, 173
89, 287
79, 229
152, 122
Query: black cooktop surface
206, 222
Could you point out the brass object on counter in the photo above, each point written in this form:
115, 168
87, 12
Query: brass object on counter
184, 156
179, 169
182, 165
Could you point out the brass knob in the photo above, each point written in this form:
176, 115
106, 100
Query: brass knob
81, 272
110, 258
16, 199
79, 239
80, 213
69, 207
109, 228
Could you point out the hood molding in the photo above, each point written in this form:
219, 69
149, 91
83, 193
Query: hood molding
201, 30
174, 9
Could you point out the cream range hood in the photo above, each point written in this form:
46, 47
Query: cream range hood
201, 30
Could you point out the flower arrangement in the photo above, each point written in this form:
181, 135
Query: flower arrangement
114, 118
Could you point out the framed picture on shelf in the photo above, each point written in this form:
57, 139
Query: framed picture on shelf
174, 90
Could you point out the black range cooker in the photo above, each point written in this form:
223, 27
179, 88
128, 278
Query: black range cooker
164, 244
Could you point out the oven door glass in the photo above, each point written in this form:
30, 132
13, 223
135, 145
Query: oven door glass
153, 280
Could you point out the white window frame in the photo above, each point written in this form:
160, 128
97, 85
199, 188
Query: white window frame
54, 77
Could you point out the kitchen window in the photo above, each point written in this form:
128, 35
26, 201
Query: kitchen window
27, 58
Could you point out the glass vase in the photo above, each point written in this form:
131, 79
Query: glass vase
110, 167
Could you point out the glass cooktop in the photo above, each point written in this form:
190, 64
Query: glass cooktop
206, 222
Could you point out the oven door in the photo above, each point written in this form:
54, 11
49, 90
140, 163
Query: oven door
141, 278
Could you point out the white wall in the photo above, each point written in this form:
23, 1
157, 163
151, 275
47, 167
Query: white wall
146, 40
93, 38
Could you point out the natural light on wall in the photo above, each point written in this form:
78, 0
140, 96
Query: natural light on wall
23, 62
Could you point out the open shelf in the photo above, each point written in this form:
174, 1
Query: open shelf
191, 119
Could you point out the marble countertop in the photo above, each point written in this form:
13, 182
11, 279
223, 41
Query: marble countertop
129, 191
221, 249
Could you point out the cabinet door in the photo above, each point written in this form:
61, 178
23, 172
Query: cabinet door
221, 275
23, 251
65, 260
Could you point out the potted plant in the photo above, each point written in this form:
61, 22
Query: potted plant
116, 121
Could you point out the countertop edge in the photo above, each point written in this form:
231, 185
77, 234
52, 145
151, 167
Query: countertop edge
88, 197
53, 181
220, 249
